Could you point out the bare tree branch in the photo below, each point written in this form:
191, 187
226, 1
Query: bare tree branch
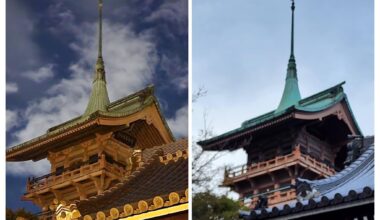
202, 169
199, 93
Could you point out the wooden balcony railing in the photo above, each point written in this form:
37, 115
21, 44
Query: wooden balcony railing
275, 198
281, 197
39, 183
276, 163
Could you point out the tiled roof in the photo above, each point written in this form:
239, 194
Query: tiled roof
163, 175
123, 107
120, 108
315, 103
354, 183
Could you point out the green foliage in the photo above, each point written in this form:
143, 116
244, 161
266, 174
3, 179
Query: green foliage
12, 215
208, 206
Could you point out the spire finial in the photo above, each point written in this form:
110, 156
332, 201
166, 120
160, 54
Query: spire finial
291, 94
100, 71
100, 7
99, 95
292, 34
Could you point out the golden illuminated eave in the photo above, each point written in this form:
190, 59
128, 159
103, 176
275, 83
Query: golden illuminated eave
146, 209
158, 207
117, 202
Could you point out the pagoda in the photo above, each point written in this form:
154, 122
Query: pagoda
302, 138
122, 148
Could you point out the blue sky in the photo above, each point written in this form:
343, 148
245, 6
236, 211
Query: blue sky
241, 49
51, 53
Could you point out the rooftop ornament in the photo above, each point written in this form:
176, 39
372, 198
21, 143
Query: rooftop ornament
99, 96
291, 94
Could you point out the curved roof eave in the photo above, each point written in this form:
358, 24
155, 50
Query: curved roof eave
313, 104
80, 121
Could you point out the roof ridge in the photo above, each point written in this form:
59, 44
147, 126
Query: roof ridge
112, 104
247, 122
149, 90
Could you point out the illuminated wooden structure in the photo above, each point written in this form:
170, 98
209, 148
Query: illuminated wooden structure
156, 189
303, 138
101, 149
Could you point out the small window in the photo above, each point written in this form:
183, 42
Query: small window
303, 150
327, 162
59, 170
109, 159
93, 159
314, 155
254, 159
285, 150
269, 153
75, 165
285, 184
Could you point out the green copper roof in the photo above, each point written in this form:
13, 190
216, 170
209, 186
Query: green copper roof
99, 95
291, 94
315, 103
119, 108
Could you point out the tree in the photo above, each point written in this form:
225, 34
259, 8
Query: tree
201, 162
12, 215
208, 206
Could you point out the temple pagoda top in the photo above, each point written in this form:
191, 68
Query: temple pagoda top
291, 107
99, 96
291, 94
100, 112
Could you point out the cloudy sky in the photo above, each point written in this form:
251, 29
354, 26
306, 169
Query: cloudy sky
51, 50
241, 49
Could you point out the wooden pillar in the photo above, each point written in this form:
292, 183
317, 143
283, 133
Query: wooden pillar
51, 159
252, 183
292, 174
57, 194
81, 191
99, 183
38, 201
275, 181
